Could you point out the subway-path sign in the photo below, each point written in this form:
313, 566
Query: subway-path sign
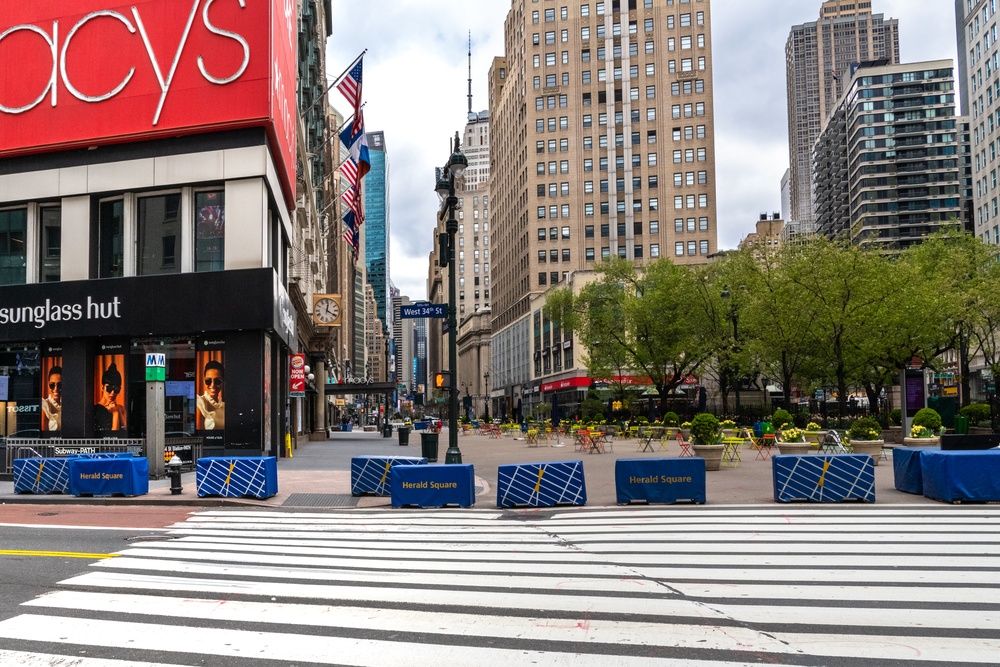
424, 309
156, 367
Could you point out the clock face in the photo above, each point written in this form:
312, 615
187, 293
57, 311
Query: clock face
326, 311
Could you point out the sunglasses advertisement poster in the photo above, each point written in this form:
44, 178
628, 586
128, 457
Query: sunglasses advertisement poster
210, 415
109, 392
52, 400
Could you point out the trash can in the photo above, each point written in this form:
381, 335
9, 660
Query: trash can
404, 436
387, 431
962, 424
429, 446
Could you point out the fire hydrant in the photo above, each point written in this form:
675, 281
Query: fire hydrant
174, 473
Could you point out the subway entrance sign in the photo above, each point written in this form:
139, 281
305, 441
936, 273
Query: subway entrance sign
424, 309
156, 367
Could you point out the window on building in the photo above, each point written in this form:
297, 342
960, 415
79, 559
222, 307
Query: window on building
111, 243
13, 243
50, 248
210, 231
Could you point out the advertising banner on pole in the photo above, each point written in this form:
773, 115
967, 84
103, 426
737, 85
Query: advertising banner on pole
297, 376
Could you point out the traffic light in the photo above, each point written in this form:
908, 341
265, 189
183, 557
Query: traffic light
442, 380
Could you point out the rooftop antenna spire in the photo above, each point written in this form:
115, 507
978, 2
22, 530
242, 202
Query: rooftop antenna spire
470, 74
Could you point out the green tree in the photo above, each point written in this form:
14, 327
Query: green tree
848, 293
962, 278
646, 320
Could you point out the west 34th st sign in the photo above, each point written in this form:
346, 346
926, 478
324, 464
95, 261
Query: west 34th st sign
424, 309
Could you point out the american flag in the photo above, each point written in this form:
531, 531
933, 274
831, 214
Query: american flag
350, 87
354, 139
349, 170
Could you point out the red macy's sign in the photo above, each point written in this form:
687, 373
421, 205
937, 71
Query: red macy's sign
91, 72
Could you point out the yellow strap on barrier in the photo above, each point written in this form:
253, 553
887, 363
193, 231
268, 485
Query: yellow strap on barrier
538, 484
38, 477
388, 464
826, 466
232, 464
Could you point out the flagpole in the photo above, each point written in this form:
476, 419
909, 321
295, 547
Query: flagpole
349, 68
335, 82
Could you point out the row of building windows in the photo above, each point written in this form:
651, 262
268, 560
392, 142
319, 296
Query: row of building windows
681, 202
155, 228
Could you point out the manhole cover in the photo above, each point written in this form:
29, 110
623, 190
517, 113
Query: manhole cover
321, 500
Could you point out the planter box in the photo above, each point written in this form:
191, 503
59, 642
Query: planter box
712, 455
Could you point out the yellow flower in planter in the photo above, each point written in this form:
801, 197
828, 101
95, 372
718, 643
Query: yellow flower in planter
792, 435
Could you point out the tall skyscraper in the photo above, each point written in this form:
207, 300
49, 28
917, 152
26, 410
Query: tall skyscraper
979, 64
888, 163
376, 226
599, 111
819, 61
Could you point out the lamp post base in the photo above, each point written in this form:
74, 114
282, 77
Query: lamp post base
453, 455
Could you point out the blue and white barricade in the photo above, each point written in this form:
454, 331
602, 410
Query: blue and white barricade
434, 485
41, 475
370, 474
126, 476
821, 478
237, 476
665, 480
541, 484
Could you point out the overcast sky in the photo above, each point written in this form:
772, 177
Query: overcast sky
416, 86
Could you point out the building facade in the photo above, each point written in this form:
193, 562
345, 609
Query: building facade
376, 227
980, 83
602, 144
819, 57
888, 164
142, 222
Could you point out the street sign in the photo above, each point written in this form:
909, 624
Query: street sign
424, 309
156, 367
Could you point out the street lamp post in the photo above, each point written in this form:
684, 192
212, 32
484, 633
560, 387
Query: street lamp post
455, 167
486, 390
736, 342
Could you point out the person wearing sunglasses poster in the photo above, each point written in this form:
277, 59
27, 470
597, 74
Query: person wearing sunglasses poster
211, 404
52, 403
109, 413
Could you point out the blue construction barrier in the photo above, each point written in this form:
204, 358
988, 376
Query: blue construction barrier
433, 485
906, 474
237, 476
108, 476
41, 475
823, 478
370, 474
962, 475
541, 484
664, 480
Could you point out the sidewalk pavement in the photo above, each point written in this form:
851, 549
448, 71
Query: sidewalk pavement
318, 475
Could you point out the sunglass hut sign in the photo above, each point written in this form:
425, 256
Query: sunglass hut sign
39, 316
87, 72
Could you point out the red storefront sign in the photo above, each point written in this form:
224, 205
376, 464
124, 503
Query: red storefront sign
566, 384
297, 374
84, 73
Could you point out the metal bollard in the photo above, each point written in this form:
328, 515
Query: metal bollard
174, 473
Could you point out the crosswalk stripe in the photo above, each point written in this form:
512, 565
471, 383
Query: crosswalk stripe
300, 647
636, 586
559, 554
26, 659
